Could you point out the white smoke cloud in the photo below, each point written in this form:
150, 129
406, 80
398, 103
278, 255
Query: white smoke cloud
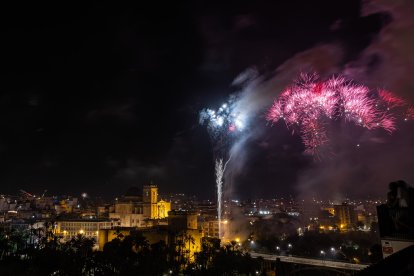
258, 93
393, 49
350, 170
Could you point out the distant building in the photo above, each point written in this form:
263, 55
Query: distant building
136, 209
206, 208
153, 208
129, 209
346, 216
329, 208
70, 228
67, 205
151, 234
182, 230
102, 211
211, 229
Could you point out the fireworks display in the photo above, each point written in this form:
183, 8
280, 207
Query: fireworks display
310, 103
223, 121
307, 107
221, 125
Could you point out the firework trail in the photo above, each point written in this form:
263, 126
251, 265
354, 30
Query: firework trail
219, 181
220, 169
310, 103
222, 125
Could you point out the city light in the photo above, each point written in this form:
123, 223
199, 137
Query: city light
301, 154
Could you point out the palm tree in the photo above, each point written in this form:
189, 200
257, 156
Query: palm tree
190, 239
181, 245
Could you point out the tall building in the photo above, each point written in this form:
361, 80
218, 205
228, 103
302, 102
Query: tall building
345, 215
150, 199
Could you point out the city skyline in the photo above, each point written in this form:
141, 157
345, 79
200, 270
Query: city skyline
106, 97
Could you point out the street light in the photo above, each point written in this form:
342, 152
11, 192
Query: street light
323, 254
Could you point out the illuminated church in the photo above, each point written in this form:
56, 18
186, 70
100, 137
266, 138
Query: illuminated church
136, 209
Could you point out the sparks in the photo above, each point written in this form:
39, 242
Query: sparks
309, 102
223, 121
219, 182
222, 125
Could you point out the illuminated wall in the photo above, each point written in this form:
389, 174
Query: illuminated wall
163, 207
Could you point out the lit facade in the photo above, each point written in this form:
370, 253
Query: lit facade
185, 231
150, 201
136, 210
346, 216
129, 214
182, 231
89, 228
211, 229
163, 207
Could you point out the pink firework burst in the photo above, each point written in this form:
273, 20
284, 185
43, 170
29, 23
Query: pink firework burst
309, 102
409, 115
390, 99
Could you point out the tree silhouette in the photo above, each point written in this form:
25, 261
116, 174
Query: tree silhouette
131, 255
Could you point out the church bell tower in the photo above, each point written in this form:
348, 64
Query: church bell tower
150, 199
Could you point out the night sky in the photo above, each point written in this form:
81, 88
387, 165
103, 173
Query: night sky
100, 97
